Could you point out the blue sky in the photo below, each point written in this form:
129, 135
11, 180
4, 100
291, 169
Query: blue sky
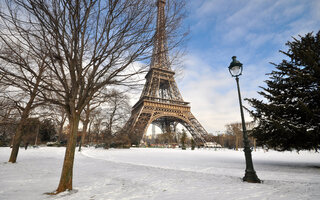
252, 30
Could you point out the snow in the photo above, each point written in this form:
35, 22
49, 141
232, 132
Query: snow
145, 173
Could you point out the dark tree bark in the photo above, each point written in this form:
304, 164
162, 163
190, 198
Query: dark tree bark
67, 171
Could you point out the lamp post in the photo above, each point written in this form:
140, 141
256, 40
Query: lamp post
235, 70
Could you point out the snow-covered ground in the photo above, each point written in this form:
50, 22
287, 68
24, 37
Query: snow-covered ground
160, 174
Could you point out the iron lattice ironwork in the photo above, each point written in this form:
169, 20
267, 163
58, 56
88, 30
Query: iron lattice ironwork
160, 102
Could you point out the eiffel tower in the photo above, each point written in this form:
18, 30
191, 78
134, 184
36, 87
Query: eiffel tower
160, 102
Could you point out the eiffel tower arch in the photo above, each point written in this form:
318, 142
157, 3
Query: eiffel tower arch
160, 102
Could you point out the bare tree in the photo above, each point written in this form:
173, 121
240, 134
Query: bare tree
99, 98
93, 117
235, 130
22, 70
115, 107
90, 44
118, 111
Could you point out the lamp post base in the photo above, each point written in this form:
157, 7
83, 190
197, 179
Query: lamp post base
251, 177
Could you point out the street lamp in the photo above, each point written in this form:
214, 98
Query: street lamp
235, 70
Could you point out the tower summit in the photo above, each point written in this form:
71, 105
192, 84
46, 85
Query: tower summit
160, 102
160, 56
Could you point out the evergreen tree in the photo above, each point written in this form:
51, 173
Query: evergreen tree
47, 130
193, 144
290, 118
183, 139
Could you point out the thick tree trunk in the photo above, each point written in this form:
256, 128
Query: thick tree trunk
19, 132
16, 142
67, 170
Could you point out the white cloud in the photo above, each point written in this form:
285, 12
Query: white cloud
213, 94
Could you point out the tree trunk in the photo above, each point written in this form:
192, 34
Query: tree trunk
37, 132
16, 142
89, 133
61, 127
84, 133
237, 142
19, 132
67, 170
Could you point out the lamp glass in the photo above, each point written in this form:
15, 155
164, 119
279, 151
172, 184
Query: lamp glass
235, 70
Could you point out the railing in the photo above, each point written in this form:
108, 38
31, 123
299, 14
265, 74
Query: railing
160, 100
169, 101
